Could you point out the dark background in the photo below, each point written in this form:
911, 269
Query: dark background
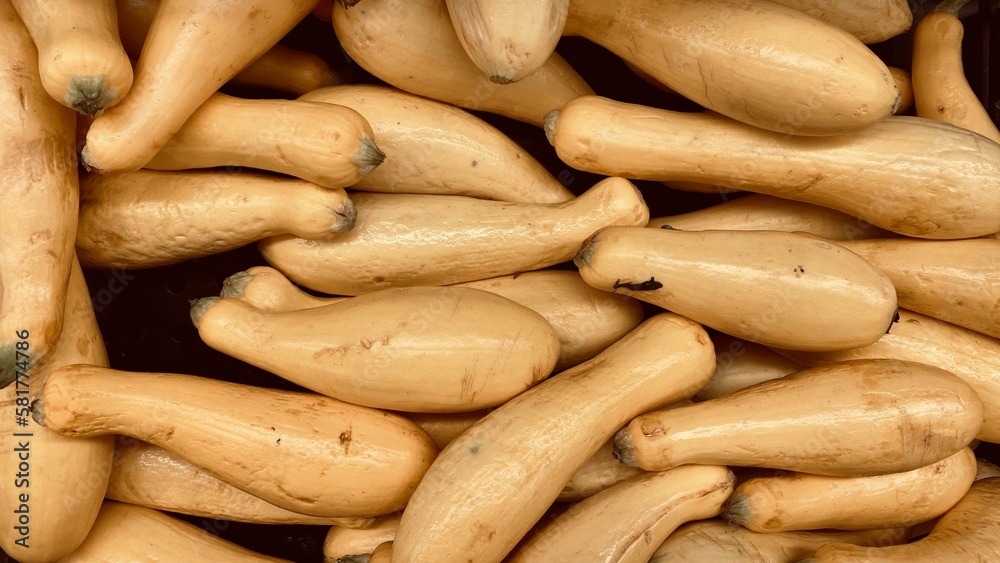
146, 326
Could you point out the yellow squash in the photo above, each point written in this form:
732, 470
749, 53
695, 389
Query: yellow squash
146, 219
955, 281
328, 144
627, 522
909, 175
861, 417
769, 78
50, 502
587, 320
191, 50
39, 193
150, 476
940, 89
759, 212
437, 148
718, 540
80, 57
779, 289
124, 532
917, 338
798, 501
303, 452
279, 68
871, 21
491, 484
423, 349
508, 40
404, 240
413, 46
970, 531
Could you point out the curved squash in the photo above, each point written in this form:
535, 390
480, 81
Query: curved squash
946, 187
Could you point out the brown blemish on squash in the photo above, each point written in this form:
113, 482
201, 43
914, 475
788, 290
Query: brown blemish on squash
345, 439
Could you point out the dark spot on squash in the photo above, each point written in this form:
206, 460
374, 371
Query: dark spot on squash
345, 440
648, 285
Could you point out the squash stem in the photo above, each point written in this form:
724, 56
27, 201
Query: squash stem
235, 284
368, 156
737, 509
8, 368
347, 215
550, 120
199, 307
624, 450
89, 94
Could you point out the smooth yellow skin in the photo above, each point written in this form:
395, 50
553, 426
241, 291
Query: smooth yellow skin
39, 190
587, 320
799, 501
918, 338
323, 458
146, 219
191, 50
940, 88
599, 472
392, 39
287, 70
423, 349
491, 484
344, 542
909, 415
150, 476
703, 51
871, 21
267, 289
404, 240
67, 475
718, 540
125, 533
779, 289
435, 147
970, 531
759, 212
627, 522
955, 281
740, 364
946, 187
508, 40
279, 68
80, 57
327, 144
